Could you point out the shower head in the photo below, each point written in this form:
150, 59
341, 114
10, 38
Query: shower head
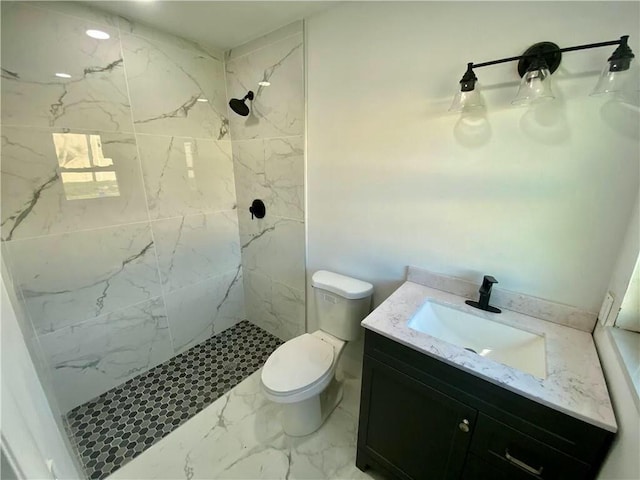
239, 106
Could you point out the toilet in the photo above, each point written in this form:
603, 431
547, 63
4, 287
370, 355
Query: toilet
301, 374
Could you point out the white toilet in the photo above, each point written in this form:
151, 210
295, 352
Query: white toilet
301, 373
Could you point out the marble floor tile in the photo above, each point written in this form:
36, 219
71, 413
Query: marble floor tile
198, 311
194, 248
66, 279
274, 247
277, 110
57, 182
125, 421
184, 76
184, 176
94, 97
92, 357
273, 171
240, 436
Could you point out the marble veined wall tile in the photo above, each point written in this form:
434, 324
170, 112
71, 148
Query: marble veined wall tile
259, 302
272, 170
91, 357
268, 155
260, 42
289, 309
274, 307
194, 248
284, 166
277, 110
79, 10
166, 83
55, 182
95, 95
157, 36
69, 278
184, 176
249, 173
274, 247
198, 311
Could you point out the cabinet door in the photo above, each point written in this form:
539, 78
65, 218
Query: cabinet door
411, 429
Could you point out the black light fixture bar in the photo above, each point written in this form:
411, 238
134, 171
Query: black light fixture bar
535, 66
568, 49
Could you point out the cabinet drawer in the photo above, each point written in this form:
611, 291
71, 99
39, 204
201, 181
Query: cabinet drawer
476, 469
523, 455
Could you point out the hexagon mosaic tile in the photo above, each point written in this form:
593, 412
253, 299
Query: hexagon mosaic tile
120, 424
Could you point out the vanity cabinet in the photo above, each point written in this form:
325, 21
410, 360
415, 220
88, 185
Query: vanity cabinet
421, 418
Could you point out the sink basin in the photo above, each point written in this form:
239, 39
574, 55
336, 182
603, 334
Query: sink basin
502, 343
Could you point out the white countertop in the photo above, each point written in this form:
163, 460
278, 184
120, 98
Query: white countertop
574, 384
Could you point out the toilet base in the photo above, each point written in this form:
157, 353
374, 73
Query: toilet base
303, 418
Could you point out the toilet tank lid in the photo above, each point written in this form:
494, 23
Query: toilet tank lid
347, 287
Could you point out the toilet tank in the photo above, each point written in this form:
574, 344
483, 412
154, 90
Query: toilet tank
341, 303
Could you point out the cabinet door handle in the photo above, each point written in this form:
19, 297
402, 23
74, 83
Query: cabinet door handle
521, 464
464, 425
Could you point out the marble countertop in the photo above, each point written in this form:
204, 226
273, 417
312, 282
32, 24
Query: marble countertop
574, 384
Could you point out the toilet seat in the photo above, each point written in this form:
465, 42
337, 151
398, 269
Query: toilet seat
299, 368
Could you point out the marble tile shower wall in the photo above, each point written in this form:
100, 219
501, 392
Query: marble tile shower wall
119, 217
268, 156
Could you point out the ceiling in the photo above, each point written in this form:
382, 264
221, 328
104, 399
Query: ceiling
219, 24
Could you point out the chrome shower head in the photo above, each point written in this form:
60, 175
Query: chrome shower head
240, 106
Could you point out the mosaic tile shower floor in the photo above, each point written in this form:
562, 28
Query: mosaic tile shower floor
120, 424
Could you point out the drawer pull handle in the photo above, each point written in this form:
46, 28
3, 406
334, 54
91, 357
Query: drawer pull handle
521, 464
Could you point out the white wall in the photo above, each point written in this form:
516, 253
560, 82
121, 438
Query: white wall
32, 432
16, 331
538, 198
629, 317
622, 461
623, 271
629, 301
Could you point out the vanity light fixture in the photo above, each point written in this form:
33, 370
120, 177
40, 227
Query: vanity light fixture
62, 75
535, 86
264, 83
201, 99
98, 34
616, 71
536, 65
469, 95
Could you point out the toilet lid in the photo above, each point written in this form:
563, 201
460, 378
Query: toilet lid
298, 363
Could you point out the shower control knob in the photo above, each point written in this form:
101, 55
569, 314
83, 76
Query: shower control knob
464, 425
257, 209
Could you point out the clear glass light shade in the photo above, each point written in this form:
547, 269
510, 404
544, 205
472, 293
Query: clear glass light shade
464, 101
535, 87
613, 81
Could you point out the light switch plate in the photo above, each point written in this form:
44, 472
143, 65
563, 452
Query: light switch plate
605, 310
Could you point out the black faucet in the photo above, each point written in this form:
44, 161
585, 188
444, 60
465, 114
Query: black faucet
485, 295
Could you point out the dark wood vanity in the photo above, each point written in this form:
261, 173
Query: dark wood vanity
421, 418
